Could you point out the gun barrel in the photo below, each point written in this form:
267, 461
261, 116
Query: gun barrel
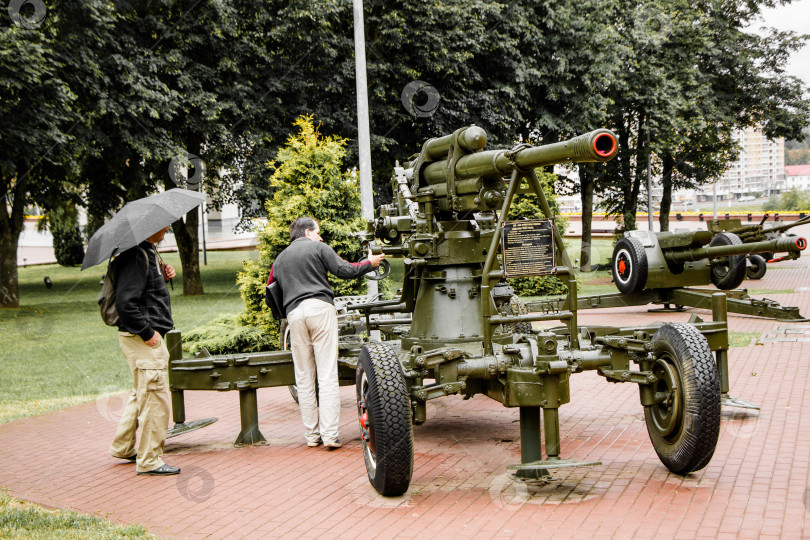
470, 139
597, 146
790, 245
786, 226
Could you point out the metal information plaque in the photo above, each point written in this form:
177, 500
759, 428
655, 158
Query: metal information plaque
528, 248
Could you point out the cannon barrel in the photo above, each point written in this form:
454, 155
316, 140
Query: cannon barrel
597, 146
789, 244
470, 139
750, 233
786, 226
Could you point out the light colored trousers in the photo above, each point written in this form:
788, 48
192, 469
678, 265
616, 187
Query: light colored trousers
148, 405
314, 345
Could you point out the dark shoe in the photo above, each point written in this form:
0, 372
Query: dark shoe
163, 470
131, 458
333, 445
313, 444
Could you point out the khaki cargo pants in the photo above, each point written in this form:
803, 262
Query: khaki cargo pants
148, 405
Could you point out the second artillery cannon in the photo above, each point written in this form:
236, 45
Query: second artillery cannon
757, 262
654, 260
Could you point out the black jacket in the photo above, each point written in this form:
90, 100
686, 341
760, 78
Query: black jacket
141, 298
301, 272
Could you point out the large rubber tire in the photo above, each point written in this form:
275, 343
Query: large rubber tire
629, 265
685, 425
730, 272
384, 408
757, 267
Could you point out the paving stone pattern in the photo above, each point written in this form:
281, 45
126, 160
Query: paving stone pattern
756, 486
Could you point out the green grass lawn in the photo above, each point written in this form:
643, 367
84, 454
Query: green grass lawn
19, 519
56, 351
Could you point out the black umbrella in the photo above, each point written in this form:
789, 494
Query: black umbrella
137, 221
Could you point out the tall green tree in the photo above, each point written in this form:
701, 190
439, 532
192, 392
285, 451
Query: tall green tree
309, 179
37, 117
80, 108
693, 72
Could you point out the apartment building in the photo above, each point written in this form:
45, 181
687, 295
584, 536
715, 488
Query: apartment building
760, 168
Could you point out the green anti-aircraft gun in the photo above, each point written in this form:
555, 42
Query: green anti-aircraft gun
466, 337
456, 328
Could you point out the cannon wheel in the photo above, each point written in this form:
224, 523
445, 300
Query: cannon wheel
629, 264
729, 272
757, 268
684, 424
384, 410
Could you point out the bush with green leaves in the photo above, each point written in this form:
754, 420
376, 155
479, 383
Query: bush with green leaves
308, 179
792, 200
67, 244
526, 206
63, 222
226, 335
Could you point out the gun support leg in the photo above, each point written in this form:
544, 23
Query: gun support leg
722, 370
178, 407
174, 343
532, 466
420, 413
249, 413
530, 442
720, 314
551, 417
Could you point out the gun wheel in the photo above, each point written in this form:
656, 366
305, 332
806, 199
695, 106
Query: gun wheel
684, 421
384, 410
757, 267
727, 272
629, 265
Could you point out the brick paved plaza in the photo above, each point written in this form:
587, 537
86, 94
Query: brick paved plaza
757, 484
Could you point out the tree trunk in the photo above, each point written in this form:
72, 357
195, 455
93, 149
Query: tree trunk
187, 237
586, 183
185, 233
10, 228
631, 208
9, 284
626, 176
666, 198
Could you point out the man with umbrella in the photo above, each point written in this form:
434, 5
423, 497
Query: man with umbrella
144, 316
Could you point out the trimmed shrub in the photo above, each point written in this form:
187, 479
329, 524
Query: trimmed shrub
67, 244
224, 335
308, 179
63, 222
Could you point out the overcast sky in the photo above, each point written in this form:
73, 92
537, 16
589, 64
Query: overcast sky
796, 17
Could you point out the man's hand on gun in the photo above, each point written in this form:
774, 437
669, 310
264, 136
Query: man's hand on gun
376, 259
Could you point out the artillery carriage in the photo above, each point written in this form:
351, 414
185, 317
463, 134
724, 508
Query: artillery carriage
756, 263
469, 336
668, 267
457, 329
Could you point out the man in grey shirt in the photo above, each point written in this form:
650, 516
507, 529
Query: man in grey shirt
301, 272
